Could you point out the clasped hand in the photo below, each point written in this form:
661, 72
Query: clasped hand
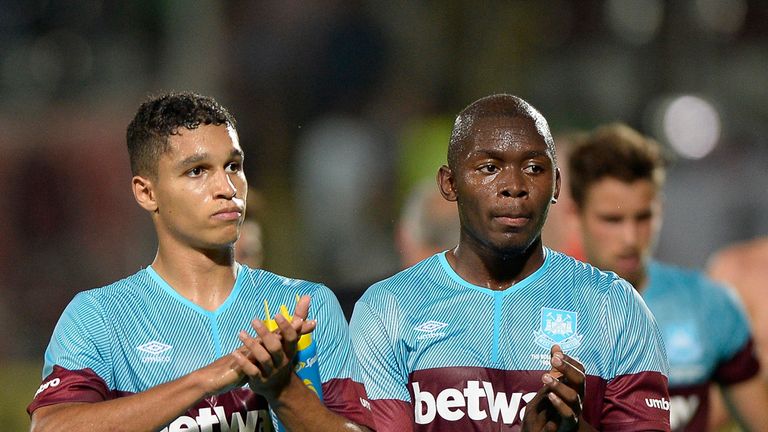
557, 406
267, 359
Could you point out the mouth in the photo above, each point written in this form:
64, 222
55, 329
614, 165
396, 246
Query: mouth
628, 262
229, 214
514, 220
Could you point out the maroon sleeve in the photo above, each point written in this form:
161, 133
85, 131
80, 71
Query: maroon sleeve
392, 415
64, 385
636, 402
347, 398
741, 367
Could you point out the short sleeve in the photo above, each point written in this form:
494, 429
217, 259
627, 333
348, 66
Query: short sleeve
637, 395
77, 360
737, 359
343, 391
384, 377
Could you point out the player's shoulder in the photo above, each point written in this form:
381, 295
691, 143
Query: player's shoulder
582, 275
116, 297
746, 250
682, 279
730, 261
267, 281
119, 289
401, 284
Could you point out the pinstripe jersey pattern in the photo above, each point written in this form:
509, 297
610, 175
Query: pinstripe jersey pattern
138, 332
426, 318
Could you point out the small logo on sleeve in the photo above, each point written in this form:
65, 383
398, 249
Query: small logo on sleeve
52, 383
661, 404
430, 329
153, 352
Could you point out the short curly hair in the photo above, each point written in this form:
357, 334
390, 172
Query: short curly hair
161, 116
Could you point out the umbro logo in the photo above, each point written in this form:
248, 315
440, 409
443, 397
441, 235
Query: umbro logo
153, 350
430, 329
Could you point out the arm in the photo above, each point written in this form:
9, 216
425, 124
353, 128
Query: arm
748, 402
718, 416
148, 410
270, 372
558, 404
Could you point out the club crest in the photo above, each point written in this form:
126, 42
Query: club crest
558, 327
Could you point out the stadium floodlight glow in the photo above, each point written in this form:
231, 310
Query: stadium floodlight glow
692, 126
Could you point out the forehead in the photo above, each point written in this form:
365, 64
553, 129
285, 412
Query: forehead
205, 139
613, 195
504, 133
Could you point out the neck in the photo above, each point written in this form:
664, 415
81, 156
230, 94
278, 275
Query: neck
204, 277
491, 268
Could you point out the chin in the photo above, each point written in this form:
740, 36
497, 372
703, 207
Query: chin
220, 244
512, 249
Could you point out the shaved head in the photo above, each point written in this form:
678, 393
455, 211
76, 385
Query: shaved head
498, 105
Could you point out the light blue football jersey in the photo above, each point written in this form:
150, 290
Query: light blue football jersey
441, 354
139, 332
707, 337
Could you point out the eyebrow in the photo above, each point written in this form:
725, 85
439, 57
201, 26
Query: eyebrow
537, 153
496, 154
196, 158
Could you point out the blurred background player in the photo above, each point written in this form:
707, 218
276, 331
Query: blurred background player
561, 231
616, 180
428, 224
743, 266
249, 248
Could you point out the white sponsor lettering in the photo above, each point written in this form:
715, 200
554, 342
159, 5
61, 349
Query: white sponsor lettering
183, 423
206, 419
661, 404
52, 383
681, 410
449, 402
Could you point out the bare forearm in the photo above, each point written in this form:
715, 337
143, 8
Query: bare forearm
149, 410
301, 411
146, 411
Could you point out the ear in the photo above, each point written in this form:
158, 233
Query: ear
558, 184
445, 181
144, 193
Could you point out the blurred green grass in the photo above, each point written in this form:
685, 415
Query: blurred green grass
18, 383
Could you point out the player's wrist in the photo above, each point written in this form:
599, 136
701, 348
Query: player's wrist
287, 392
215, 378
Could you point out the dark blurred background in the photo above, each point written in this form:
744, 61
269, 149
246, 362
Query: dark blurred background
342, 107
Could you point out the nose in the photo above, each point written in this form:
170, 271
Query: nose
512, 184
225, 187
630, 233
